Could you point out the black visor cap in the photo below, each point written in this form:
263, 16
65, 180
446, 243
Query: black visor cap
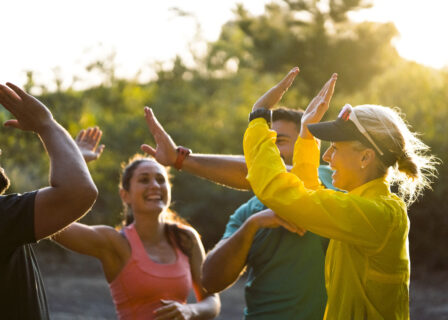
337, 130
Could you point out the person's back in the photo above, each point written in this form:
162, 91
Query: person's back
21, 290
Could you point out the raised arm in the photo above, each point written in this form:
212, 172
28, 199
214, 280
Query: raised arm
71, 192
275, 94
325, 212
228, 170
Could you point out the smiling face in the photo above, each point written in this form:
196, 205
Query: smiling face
287, 133
149, 189
347, 161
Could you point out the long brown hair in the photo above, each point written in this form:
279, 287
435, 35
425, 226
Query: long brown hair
174, 225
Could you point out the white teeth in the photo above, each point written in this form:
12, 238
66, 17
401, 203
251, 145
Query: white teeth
155, 197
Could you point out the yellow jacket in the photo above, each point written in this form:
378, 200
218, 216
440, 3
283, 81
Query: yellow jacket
367, 264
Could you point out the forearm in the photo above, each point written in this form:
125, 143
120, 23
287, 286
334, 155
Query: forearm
227, 170
208, 308
68, 169
225, 262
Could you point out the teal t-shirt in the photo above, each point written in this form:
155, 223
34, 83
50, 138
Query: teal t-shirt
285, 271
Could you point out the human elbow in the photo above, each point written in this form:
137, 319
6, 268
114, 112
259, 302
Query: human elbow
90, 194
210, 281
209, 285
83, 198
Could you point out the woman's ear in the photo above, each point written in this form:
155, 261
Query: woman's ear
124, 195
368, 157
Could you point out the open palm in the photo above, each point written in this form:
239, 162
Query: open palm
318, 106
88, 143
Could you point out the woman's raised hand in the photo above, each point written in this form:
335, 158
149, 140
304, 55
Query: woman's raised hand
88, 143
274, 95
317, 107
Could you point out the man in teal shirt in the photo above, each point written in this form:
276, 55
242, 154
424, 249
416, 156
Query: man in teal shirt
285, 270
285, 277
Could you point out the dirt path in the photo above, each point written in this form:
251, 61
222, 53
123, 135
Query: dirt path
76, 289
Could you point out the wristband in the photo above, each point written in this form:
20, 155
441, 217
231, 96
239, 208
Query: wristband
182, 153
261, 113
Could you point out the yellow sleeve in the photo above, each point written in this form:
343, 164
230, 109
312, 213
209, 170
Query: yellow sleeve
306, 162
355, 219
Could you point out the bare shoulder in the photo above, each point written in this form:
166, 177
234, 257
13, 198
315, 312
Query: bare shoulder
114, 237
191, 233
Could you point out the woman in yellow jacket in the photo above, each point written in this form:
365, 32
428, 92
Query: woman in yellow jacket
367, 264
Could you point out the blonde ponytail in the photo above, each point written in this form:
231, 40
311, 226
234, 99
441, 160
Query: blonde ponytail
414, 168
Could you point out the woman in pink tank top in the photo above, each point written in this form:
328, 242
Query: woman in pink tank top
154, 262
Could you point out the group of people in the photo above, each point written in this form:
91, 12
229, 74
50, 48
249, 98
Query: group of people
317, 241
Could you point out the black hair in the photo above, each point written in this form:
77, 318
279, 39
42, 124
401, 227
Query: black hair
286, 114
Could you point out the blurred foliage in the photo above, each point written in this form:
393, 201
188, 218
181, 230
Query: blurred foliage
206, 109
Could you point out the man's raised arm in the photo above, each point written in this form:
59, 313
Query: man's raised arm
71, 192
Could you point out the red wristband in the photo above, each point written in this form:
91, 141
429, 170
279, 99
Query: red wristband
182, 153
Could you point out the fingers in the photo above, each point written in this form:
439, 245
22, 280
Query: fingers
275, 94
291, 227
153, 125
96, 136
13, 124
168, 311
148, 149
330, 89
8, 97
288, 80
100, 149
17, 90
80, 136
90, 136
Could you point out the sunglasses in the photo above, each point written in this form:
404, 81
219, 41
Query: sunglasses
348, 114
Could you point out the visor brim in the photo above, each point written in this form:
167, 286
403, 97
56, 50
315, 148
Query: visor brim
337, 130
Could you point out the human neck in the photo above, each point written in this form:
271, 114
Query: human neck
150, 229
364, 177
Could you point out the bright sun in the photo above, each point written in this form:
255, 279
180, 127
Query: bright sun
421, 25
54, 42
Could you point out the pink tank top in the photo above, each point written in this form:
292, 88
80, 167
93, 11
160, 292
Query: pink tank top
141, 284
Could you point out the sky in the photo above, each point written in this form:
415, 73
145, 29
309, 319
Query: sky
60, 38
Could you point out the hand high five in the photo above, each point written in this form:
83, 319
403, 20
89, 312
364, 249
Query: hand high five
274, 95
165, 151
318, 106
30, 113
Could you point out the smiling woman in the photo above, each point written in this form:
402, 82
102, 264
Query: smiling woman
367, 265
155, 260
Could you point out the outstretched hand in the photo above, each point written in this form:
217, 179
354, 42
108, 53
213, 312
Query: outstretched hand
30, 113
268, 219
317, 107
88, 143
274, 95
165, 152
